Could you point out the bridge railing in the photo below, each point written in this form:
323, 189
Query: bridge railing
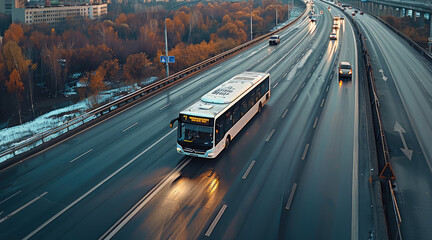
24, 148
393, 218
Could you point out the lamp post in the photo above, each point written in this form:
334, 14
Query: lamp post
166, 38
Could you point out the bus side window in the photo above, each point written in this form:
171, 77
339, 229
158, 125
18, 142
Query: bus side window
220, 130
258, 94
236, 114
251, 101
243, 108
228, 120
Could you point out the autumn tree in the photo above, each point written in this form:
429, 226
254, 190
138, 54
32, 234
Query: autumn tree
137, 67
110, 67
14, 33
15, 86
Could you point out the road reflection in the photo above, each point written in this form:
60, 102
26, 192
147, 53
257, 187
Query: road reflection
182, 210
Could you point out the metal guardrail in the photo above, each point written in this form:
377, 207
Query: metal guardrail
128, 99
393, 218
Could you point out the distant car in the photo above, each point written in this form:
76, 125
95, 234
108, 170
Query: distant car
342, 18
335, 26
333, 36
335, 18
274, 40
353, 13
329, 8
361, 12
350, 7
344, 9
356, 11
345, 70
313, 19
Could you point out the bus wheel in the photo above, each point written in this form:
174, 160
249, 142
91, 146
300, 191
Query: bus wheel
259, 107
227, 142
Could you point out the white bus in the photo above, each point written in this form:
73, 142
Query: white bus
208, 126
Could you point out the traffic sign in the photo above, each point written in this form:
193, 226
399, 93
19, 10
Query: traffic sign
163, 59
387, 172
171, 59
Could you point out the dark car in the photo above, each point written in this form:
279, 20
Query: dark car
274, 40
361, 12
356, 11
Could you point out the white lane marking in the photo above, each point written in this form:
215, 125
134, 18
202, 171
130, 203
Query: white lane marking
291, 196
286, 111
165, 106
73, 160
1, 213
288, 53
322, 102
302, 85
215, 221
270, 135
305, 152
131, 126
143, 201
95, 187
327, 88
398, 128
10, 197
383, 77
275, 85
295, 97
21, 208
285, 74
248, 170
354, 206
315, 123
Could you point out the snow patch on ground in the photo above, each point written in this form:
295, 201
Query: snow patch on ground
14, 136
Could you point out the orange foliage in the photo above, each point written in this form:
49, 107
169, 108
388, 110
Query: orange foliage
14, 33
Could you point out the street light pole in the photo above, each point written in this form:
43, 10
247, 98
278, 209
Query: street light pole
166, 38
251, 25
166, 51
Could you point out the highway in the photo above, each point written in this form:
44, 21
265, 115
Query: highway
298, 170
404, 84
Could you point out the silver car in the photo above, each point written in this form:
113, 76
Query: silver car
345, 70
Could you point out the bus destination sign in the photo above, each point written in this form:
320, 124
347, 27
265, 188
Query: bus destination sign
196, 120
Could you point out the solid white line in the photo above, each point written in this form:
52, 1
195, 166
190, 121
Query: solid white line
315, 123
165, 106
131, 126
286, 111
21, 208
305, 152
291, 196
270, 135
248, 169
354, 206
143, 201
215, 221
275, 85
295, 97
322, 102
10, 197
95, 187
73, 160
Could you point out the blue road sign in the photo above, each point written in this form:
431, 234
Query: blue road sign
171, 59
163, 59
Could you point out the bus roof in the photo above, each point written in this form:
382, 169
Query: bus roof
223, 95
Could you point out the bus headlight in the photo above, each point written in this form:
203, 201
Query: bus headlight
210, 154
179, 150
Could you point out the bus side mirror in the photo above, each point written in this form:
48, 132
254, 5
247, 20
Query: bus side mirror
172, 122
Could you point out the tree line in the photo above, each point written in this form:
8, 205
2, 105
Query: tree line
38, 61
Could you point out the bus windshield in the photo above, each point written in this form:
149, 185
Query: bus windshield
197, 134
